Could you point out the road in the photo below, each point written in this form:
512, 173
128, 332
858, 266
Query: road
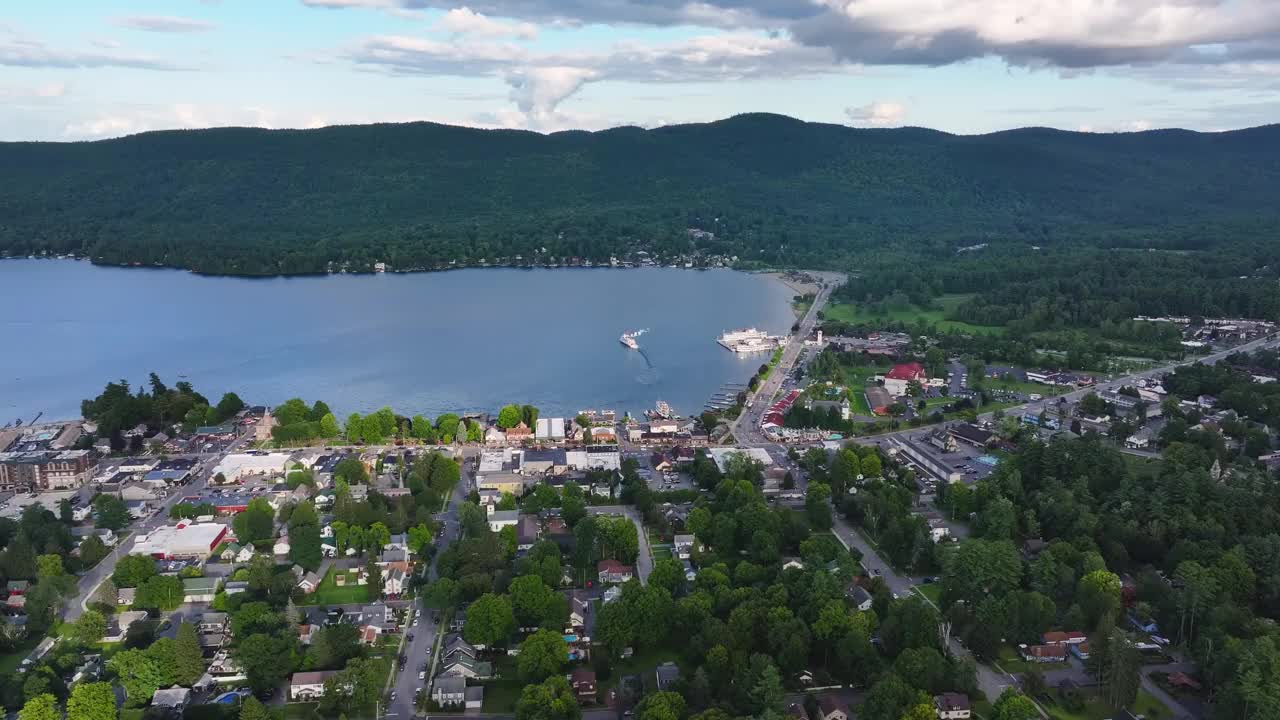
991, 681
759, 401
419, 651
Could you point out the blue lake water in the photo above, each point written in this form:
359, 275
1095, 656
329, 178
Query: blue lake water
422, 343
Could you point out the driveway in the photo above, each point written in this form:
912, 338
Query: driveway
644, 560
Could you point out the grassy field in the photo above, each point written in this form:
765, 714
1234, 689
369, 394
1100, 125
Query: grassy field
1146, 706
301, 711
854, 315
1029, 388
501, 694
933, 592
1137, 465
641, 664
330, 593
9, 662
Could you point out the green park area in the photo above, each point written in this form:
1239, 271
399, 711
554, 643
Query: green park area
855, 314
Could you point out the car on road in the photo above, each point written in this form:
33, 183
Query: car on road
422, 675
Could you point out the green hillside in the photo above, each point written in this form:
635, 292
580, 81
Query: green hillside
418, 195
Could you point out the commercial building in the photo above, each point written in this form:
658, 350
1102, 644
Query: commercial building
900, 377
721, 456
195, 540
237, 466
43, 470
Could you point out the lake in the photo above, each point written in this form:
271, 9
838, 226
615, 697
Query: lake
422, 343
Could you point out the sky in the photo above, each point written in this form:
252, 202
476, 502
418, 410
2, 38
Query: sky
93, 69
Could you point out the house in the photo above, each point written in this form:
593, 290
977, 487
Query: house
234, 587
583, 682
499, 519
173, 699
526, 532
281, 548
1058, 637
898, 380
611, 594
579, 609
449, 691
795, 711
230, 552
689, 573
213, 622
831, 707
118, 625
18, 587
1043, 653
309, 583
792, 564
1080, 651
468, 667
369, 634
519, 434
683, 545
666, 675
613, 572
394, 581
494, 437
200, 589
859, 596
971, 434
124, 596
943, 441
306, 686
1139, 440
952, 706
455, 647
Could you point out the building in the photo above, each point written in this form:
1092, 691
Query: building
721, 456
594, 457
527, 532
831, 707
613, 572
199, 590
683, 546
583, 682
118, 625
184, 540
1043, 653
307, 686
212, 623
174, 699
309, 583
44, 470
898, 380
549, 429
859, 596
1058, 637
841, 407
499, 519
237, 466
466, 666
449, 691
952, 706
971, 434
519, 434
666, 675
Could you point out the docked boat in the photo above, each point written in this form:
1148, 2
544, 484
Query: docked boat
629, 340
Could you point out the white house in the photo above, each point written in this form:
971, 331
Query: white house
309, 685
952, 706
281, 547
448, 691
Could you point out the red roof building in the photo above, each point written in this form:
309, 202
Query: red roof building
902, 375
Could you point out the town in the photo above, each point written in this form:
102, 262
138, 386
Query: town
873, 530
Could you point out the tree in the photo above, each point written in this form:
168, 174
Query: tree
40, 707
253, 709
265, 660
132, 570
530, 598
138, 673
188, 661
110, 512
92, 550
665, 705
509, 416
490, 620
229, 405
90, 627
304, 542
161, 592
256, 523
552, 699
817, 506
329, 426
92, 701
668, 573
981, 568
374, 573
354, 430
1013, 705
1098, 594
889, 698
542, 654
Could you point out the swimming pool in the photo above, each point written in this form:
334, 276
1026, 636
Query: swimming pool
991, 460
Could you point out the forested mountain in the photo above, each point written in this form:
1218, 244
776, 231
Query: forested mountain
772, 189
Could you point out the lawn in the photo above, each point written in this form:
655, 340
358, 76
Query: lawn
854, 315
9, 662
500, 695
1146, 706
329, 592
301, 711
932, 593
1141, 466
1009, 660
641, 664
1028, 388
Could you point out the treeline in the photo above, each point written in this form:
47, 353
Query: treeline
766, 187
1199, 549
158, 407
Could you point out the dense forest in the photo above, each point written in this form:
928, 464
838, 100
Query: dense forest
770, 189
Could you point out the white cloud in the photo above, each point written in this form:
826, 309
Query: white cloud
465, 21
164, 24
21, 51
48, 91
883, 113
